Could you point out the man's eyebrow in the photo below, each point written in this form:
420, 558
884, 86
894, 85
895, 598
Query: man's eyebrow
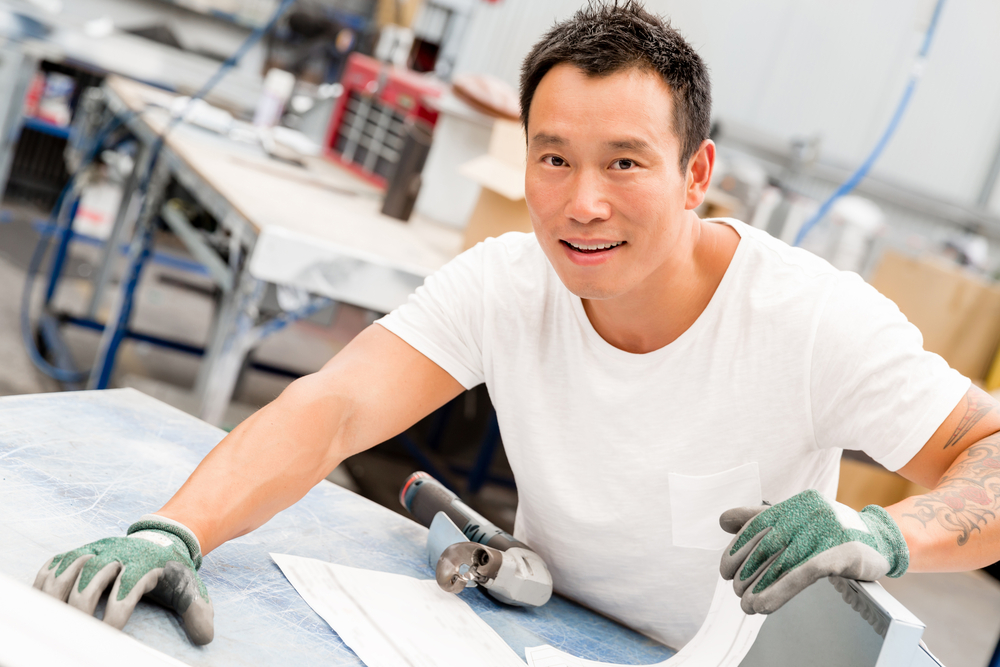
543, 139
629, 144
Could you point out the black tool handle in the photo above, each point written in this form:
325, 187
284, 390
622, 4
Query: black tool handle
424, 497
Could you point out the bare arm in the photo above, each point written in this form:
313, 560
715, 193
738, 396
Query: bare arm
375, 388
956, 526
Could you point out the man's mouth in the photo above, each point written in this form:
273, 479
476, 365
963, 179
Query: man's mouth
590, 249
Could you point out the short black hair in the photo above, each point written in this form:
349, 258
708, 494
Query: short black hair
606, 37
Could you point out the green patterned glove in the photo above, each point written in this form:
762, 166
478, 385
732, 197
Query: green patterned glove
159, 559
778, 551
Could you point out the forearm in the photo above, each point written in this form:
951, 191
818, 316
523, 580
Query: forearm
956, 526
266, 464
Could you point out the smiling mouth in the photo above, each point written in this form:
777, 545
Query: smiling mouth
591, 249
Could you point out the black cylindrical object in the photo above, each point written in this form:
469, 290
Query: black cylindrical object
404, 184
424, 497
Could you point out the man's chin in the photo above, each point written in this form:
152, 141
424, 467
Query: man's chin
597, 287
592, 291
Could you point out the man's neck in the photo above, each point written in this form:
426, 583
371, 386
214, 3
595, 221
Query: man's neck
655, 315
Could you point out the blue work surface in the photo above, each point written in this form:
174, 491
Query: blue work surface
77, 467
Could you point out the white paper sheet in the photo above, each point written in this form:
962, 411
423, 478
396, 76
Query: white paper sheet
722, 641
392, 620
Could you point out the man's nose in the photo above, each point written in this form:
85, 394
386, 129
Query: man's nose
587, 200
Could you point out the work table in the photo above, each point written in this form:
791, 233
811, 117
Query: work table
79, 466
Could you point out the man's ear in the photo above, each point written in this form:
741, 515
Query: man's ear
699, 174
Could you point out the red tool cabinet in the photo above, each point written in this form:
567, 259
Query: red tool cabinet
369, 121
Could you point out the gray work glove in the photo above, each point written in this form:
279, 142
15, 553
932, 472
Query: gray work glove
778, 551
159, 558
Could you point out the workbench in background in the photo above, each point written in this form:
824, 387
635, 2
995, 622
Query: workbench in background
314, 229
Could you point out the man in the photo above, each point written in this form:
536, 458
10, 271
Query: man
649, 369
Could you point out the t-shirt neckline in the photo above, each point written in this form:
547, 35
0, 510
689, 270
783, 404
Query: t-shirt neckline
706, 315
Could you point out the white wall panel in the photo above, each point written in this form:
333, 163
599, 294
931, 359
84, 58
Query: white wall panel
501, 34
836, 69
995, 200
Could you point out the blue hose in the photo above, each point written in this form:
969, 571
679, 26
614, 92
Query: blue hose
866, 166
60, 374
62, 232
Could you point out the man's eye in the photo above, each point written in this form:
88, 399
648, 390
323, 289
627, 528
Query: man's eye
554, 160
622, 164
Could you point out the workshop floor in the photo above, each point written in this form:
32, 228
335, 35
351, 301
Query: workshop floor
962, 610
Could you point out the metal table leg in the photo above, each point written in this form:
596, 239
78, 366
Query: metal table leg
227, 347
121, 310
119, 232
16, 71
236, 334
65, 216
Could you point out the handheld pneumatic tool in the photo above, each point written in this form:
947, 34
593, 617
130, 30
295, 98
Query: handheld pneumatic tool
467, 550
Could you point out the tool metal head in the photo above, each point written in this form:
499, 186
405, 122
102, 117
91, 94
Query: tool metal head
466, 562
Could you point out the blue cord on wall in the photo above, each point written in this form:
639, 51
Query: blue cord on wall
862, 171
65, 229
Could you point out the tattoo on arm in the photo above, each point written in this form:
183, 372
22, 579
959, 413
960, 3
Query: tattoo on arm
979, 405
968, 496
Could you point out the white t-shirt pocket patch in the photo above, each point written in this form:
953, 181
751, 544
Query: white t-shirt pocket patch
696, 502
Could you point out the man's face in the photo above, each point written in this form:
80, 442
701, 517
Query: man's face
607, 199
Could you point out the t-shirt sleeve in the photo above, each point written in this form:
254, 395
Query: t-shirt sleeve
873, 386
443, 318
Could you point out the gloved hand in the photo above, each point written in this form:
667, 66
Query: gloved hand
159, 558
778, 551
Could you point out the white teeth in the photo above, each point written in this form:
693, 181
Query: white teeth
603, 246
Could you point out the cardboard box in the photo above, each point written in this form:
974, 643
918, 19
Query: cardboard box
500, 173
718, 204
957, 312
396, 12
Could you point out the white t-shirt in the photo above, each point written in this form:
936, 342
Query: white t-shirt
624, 461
